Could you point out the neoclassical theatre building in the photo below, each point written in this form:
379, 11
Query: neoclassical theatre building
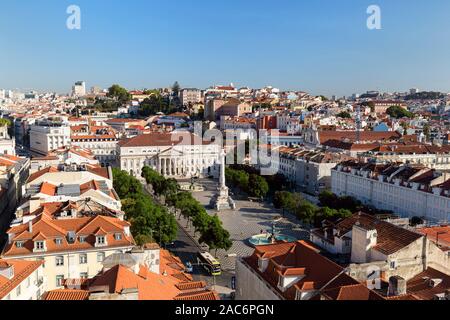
175, 155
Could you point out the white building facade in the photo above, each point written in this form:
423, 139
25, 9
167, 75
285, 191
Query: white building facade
409, 197
175, 155
48, 136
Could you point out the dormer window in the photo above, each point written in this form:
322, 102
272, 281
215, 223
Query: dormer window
101, 241
39, 245
82, 239
118, 236
58, 241
19, 244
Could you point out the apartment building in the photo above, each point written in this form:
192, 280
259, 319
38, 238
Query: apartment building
79, 89
370, 246
47, 135
176, 155
308, 169
13, 173
21, 280
381, 106
295, 271
69, 183
137, 276
69, 247
121, 126
64, 155
101, 140
279, 138
215, 108
190, 96
7, 145
316, 137
431, 156
407, 190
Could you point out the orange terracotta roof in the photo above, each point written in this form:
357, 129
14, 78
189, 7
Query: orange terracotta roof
45, 228
441, 234
368, 136
390, 238
66, 294
48, 189
299, 258
421, 288
40, 173
21, 268
162, 139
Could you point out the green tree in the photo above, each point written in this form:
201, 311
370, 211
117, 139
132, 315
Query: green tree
170, 186
149, 220
125, 185
344, 115
153, 178
201, 221
257, 186
152, 221
306, 212
399, 112
285, 200
215, 236
119, 93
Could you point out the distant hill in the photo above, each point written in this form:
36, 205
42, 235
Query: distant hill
425, 95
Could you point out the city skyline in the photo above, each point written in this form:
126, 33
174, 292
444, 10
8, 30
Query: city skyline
321, 47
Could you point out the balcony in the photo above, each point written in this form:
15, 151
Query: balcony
39, 281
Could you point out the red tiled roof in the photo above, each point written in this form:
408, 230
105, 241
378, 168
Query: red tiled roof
66, 294
162, 139
390, 238
420, 285
40, 173
368, 136
47, 229
21, 268
305, 260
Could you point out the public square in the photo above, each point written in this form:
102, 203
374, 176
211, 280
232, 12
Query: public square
250, 218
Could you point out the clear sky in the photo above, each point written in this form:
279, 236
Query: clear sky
320, 46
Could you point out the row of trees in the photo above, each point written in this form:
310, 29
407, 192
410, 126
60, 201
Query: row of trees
305, 210
329, 199
209, 227
251, 183
156, 103
149, 220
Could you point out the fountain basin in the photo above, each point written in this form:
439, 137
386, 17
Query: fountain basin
264, 239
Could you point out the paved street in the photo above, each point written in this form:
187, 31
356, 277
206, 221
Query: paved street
186, 249
250, 218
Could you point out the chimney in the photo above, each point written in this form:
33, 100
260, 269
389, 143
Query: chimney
6, 270
434, 282
30, 226
397, 286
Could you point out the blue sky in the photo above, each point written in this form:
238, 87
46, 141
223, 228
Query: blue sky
320, 46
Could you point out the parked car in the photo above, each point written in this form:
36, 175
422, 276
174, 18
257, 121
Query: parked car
189, 267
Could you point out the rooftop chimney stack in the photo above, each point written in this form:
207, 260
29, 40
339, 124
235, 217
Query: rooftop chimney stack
397, 286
